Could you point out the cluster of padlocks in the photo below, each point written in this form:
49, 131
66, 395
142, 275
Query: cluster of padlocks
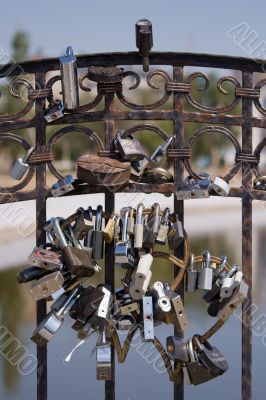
61, 269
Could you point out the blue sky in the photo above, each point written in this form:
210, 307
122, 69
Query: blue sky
99, 26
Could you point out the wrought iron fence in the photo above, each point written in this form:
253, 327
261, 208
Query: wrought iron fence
177, 89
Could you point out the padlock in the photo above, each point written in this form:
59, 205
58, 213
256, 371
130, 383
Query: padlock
63, 186
194, 188
101, 317
177, 348
129, 148
131, 222
123, 245
144, 40
148, 324
103, 358
21, 166
69, 79
80, 227
139, 227
44, 258
175, 236
227, 283
260, 183
88, 215
109, 230
141, 277
210, 356
47, 329
198, 372
77, 260
55, 111
97, 236
164, 228
205, 272
191, 276
237, 279
48, 286
159, 153
177, 315
162, 303
220, 186
152, 227
228, 306
219, 273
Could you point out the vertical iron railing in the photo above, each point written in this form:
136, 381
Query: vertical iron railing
179, 87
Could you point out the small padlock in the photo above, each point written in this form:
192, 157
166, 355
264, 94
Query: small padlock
194, 188
109, 230
192, 276
139, 227
63, 186
148, 324
97, 236
218, 274
227, 287
141, 277
152, 227
220, 186
122, 246
21, 166
47, 329
48, 286
144, 40
130, 149
206, 272
55, 111
159, 153
45, 258
164, 228
229, 306
175, 234
69, 78
103, 358
177, 348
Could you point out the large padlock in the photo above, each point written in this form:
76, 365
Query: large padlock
55, 111
69, 78
49, 286
21, 166
97, 236
139, 228
164, 228
210, 356
205, 272
152, 227
130, 149
47, 329
77, 260
175, 234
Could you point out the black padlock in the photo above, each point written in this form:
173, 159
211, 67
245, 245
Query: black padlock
97, 236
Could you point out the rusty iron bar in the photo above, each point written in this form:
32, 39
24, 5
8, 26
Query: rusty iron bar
178, 105
247, 244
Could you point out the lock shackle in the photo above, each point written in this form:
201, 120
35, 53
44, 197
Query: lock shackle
232, 271
69, 51
206, 259
198, 343
166, 214
125, 216
191, 262
221, 269
68, 303
98, 219
28, 154
88, 214
155, 217
56, 227
117, 223
139, 214
190, 351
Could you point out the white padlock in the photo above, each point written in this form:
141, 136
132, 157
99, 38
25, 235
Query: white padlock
227, 288
142, 277
220, 186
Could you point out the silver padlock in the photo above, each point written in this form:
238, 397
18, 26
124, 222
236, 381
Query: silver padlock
63, 186
192, 276
131, 222
227, 283
55, 111
234, 302
164, 228
48, 286
122, 246
44, 258
194, 188
47, 329
139, 228
220, 186
206, 272
148, 318
103, 358
69, 76
21, 166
